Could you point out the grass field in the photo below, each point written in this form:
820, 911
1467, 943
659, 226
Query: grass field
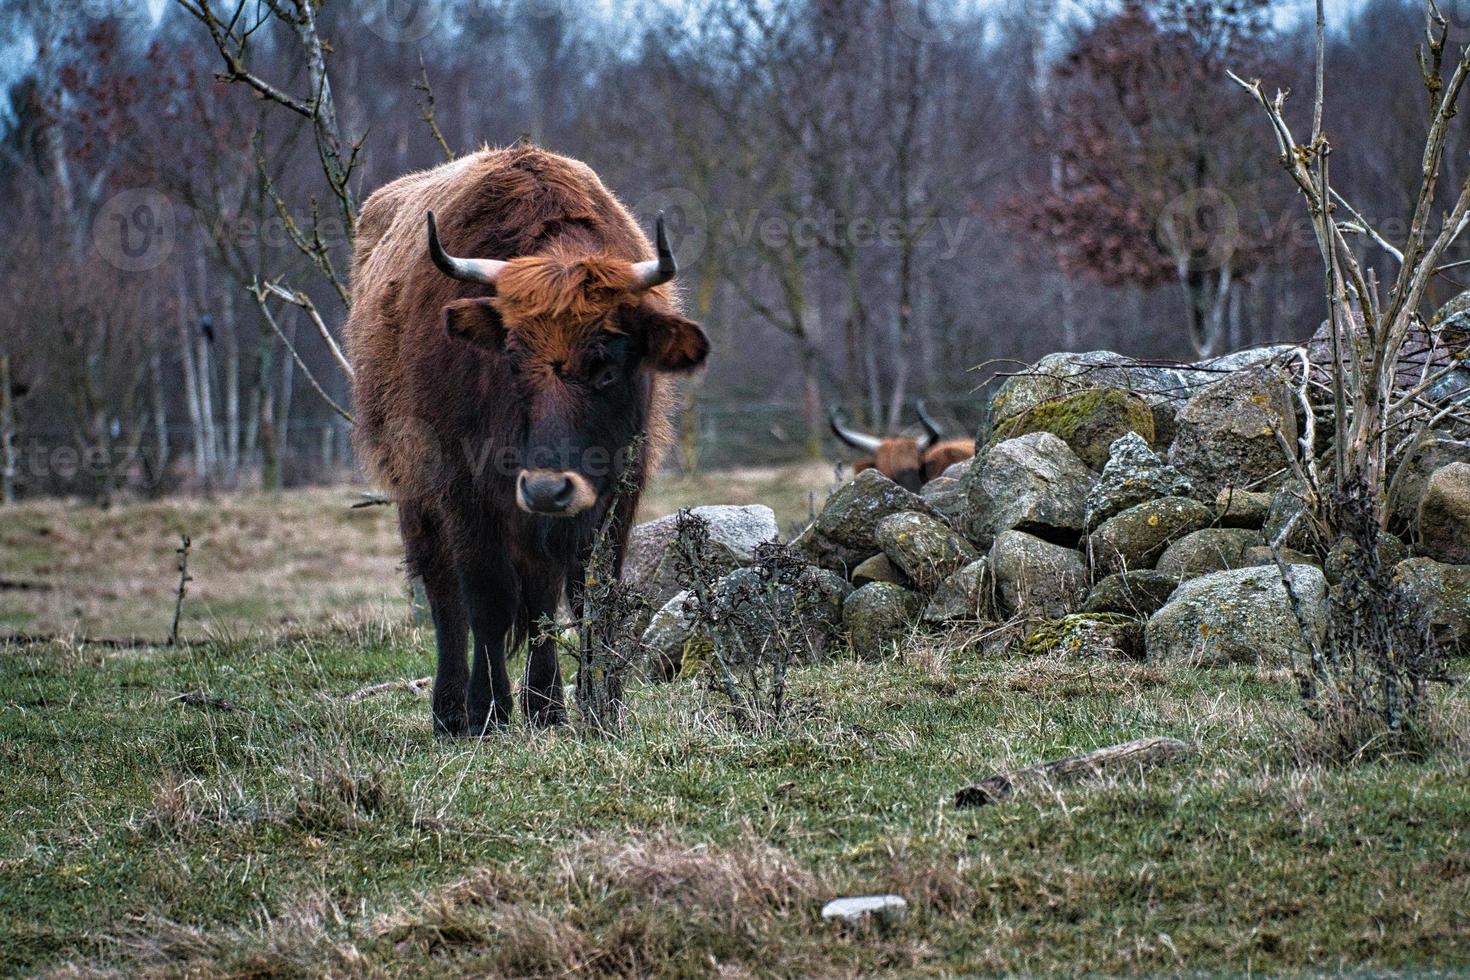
223, 809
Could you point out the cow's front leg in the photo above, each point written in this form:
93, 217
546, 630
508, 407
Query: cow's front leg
492, 597
542, 699
428, 558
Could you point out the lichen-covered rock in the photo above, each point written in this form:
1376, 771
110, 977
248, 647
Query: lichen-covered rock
1063, 373
1134, 474
734, 534
1033, 483
1442, 529
670, 640
1391, 551
1138, 592
1137, 537
1288, 506
1089, 421
1433, 451
1088, 635
1440, 594
946, 492
757, 614
967, 595
1239, 616
843, 533
877, 569
1211, 549
878, 614
1261, 555
1227, 430
924, 548
1035, 577
1242, 508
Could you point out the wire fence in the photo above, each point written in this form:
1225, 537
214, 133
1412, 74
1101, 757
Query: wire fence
55, 460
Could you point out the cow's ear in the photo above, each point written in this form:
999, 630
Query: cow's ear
476, 321
671, 343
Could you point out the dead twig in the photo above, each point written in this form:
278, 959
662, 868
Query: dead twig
198, 699
373, 500
426, 109
184, 579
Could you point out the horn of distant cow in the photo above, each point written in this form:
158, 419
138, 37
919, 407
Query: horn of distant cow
656, 272
855, 439
934, 433
483, 271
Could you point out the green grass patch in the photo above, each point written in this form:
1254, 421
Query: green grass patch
271, 828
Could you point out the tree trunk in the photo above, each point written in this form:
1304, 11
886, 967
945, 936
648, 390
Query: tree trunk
811, 403
204, 370
7, 434
191, 396
270, 456
275, 412
1207, 301
231, 354
704, 302
162, 446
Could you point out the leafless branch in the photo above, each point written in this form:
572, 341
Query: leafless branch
426, 108
259, 291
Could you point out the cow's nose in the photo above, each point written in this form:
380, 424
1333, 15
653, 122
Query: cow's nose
546, 493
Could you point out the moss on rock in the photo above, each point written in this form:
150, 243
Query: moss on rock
1088, 421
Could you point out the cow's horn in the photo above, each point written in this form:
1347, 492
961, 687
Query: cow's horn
467, 270
933, 432
656, 272
857, 440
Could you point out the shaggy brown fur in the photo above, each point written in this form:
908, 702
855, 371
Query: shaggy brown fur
565, 233
943, 455
901, 461
461, 388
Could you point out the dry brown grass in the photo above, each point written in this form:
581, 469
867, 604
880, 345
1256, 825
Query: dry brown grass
264, 563
617, 905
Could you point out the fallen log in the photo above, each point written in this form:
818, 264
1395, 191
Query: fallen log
419, 686
1141, 753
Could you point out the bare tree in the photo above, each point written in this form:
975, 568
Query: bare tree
1379, 399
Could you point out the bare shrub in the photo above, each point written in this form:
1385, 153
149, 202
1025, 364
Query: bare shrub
759, 620
607, 635
1368, 680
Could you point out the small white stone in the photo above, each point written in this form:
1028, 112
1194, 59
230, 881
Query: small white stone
856, 909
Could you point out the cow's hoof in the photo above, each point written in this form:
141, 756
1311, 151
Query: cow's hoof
490, 725
542, 711
453, 726
549, 717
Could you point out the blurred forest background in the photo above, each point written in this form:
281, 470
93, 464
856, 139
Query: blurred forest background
872, 201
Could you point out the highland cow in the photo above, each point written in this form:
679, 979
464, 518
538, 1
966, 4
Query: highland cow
510, 367
910, 463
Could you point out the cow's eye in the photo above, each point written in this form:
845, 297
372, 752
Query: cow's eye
604, 378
